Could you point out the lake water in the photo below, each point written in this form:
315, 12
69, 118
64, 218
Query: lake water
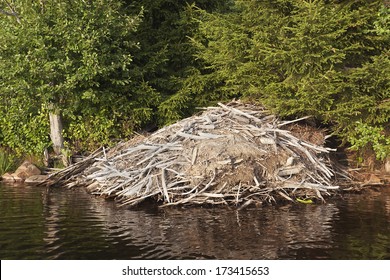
70, 224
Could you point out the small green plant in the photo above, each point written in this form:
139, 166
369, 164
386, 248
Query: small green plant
366, 135
6, 162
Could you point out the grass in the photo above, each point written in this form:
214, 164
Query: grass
6, 162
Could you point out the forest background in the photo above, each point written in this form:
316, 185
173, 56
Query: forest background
109, 68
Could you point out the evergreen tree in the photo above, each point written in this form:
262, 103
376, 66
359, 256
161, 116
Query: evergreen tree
329, 59
166, 56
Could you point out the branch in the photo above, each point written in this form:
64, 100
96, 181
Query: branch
12, 13
6, 13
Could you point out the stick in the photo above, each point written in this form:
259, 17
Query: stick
164, 186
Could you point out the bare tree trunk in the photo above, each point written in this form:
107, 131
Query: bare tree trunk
56, 132
57, 138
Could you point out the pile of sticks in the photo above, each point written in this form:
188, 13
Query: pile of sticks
234, 154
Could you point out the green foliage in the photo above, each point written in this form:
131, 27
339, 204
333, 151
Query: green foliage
111, 67
382, 24
363, 111
108, 67
24, 127
329, 59
6, 161
165, 57
74, 56
374, 136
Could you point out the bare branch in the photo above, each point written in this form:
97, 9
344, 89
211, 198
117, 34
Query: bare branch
12, 13
6, 13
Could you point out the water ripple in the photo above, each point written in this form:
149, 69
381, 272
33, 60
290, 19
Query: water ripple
61, 224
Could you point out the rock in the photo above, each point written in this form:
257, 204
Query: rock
8, 177
11, 178
36, 179
26, 170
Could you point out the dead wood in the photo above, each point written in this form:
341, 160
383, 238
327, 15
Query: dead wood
234, 154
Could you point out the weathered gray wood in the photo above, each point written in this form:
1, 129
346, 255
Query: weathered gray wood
173, 165
56, 132
288, 171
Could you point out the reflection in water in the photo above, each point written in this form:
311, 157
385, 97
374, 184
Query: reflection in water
63, 224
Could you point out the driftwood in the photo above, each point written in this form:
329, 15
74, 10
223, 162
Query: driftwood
235, 154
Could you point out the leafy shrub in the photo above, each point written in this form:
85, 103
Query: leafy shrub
72, 57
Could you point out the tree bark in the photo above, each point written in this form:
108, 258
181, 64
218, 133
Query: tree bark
387, 165
56, 132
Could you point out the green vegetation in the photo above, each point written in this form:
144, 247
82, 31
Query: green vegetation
112, 67
6, 162
74, 58
329, 59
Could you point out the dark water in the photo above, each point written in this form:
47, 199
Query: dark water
70, 224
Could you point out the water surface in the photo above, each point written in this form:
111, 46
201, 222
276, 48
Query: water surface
70, 224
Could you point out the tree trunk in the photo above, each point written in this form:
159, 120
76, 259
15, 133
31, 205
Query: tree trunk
56, 131
387, 165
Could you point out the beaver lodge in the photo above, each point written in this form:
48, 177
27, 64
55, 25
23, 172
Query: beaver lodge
235, 154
